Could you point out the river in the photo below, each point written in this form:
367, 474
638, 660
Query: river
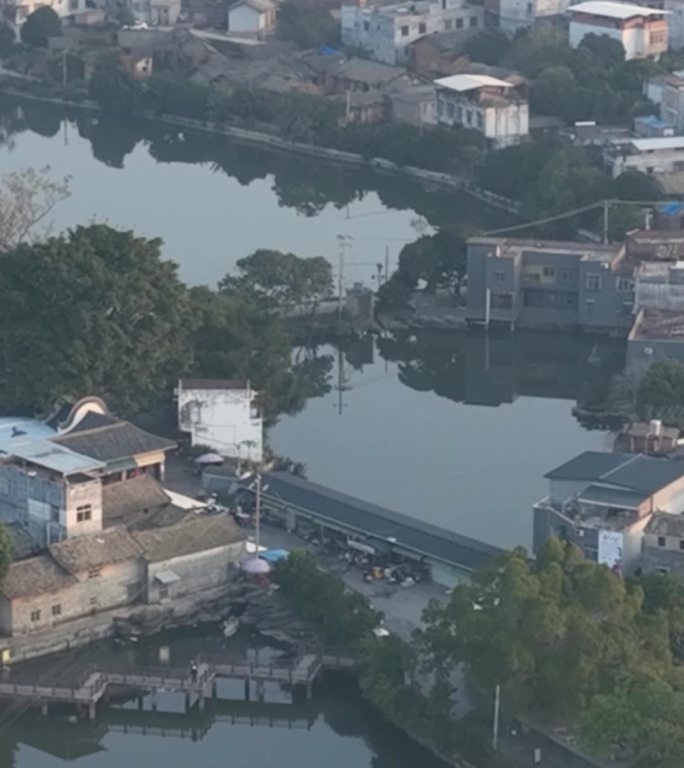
454, 428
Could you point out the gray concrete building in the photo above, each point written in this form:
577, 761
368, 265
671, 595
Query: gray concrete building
549, 285
664, 544
602, 503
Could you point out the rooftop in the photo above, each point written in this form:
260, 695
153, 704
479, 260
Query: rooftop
664, 524
647, 429
257, 5
82, 553
586, 251
378, 522
49, 455
614, 10
463, 83
110, 441
621, 471
212, 384
21, 426
35, 576
195, 535
657, 144
658, 324
128, 498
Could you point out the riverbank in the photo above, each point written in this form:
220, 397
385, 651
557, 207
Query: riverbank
258, 138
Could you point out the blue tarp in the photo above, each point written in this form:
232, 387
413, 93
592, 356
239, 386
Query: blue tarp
273, 555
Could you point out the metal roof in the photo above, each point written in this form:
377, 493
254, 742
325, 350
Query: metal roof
658, 143
590, 465
470, 82
377, 522
21, 426
50, 455
612, 497
615, 10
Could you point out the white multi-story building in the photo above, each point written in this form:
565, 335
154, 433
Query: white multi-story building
642, 31
385, 31
223, 415
485, 104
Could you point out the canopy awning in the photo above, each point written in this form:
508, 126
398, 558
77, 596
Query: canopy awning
166, 577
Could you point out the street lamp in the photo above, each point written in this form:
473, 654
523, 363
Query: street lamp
255, 564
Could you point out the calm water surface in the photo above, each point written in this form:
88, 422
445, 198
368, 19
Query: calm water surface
453, 428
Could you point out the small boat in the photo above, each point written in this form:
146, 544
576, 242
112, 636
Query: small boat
231, 626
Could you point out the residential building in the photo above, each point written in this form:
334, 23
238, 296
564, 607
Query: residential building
553, 285
386, 31
335, 74
162, 13
667, 91
253, 17
194, 556
222, 414
441, 53
485, 104
649, 437
675, 23
650, 126
659, 285
512, 15
664, 544
641, 30
660, 244
602, 502
656, 335
661, 157
65, 9
416, 106
669, 217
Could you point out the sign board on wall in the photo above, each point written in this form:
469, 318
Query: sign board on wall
610, 548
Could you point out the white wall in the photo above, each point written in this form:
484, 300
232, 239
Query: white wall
222, 420
245, 19
675, 23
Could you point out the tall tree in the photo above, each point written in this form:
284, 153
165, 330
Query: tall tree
26, 200
113, 88
6, 553
93, 311
40, 26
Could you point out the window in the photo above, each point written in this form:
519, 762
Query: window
590, 305
448, 24
84, 513
366, 26
593, 282
501, 300
132, 592
681, 543
54, 514
459, 114
163, 591
499, 277
73, 5
404, 31
661, 541
93, 573
530, 9
549, 271
473, 21
444, 2
468, 117
35, 615
480, 122
459, 23
57, 610
623, 284
565, 275
422, 28
93, 602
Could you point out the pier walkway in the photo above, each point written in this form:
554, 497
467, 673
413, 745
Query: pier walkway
97, 682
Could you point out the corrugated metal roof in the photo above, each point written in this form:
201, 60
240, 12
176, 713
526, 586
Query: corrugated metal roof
612, 497
50, 455
470, 82
614, 10
378, 522
589, 465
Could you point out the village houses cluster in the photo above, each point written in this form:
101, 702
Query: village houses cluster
405, 62
95, 531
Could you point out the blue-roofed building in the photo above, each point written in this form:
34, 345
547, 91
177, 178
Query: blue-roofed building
649, 126
22, 426
602, 502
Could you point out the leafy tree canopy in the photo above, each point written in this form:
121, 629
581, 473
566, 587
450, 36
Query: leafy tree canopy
6, 553
113, 88
39, 26
661, 392
308, 26
93, 311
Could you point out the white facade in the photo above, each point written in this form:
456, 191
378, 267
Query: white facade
652, 156
386, 31
675, 23
642, 31
251, 16
481, 103
520, 14
223, 416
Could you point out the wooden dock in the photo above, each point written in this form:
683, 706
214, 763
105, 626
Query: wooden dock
98, 682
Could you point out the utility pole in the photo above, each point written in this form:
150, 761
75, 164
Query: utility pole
497, 705
64, 68
386, 263
606, 206
343, 244
341, 382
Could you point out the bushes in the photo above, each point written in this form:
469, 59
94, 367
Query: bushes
39, 26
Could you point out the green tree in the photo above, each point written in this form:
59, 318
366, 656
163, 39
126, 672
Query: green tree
307, 26
7, 38
93, 311
606, 52
6, 553
177, 95
39, 26
556, 92
488, 47
662, 389
438, 260
282, 281
113, 88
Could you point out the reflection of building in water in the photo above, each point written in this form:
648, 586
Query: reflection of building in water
495, 369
